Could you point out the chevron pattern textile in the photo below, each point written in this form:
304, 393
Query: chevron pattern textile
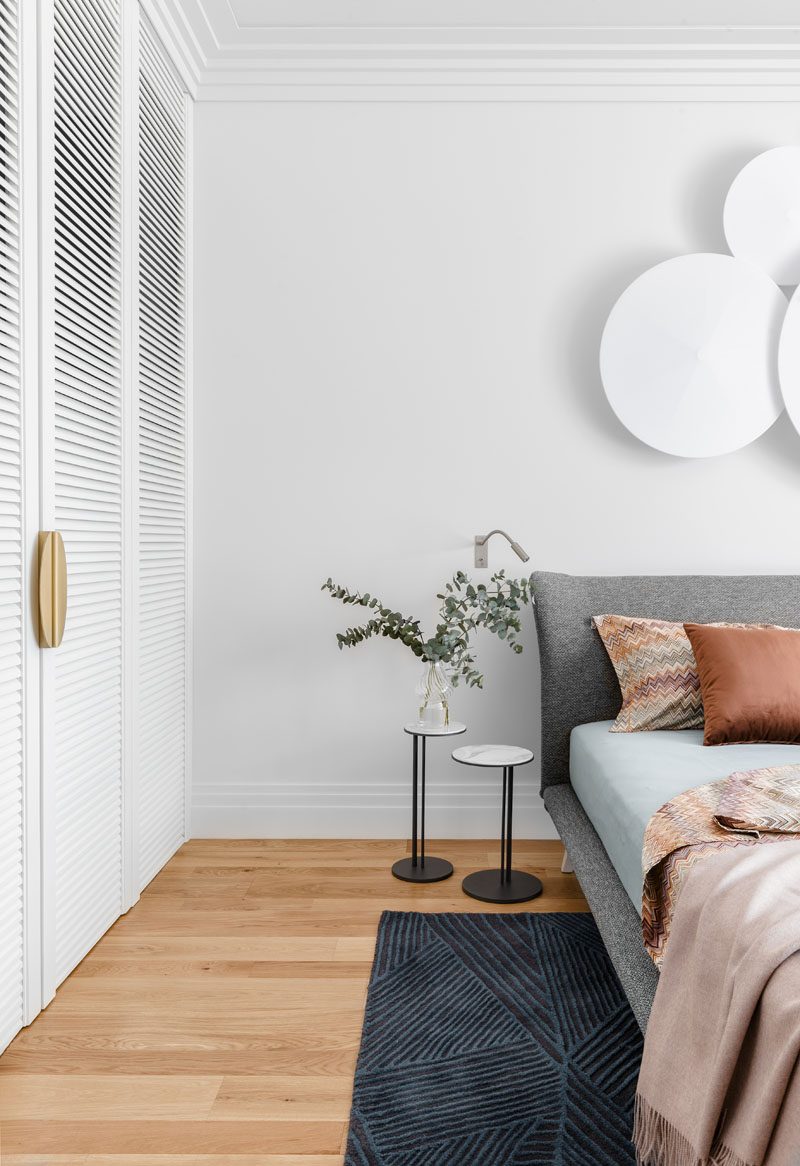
744, 809
762, 801
657, 673
494, 1040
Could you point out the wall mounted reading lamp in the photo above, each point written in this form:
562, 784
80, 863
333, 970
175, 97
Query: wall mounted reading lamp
482, 548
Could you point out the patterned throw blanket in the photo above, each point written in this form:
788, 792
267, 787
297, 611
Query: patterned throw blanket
754, 806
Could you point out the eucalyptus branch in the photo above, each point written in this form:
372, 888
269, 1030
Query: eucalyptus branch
465, 608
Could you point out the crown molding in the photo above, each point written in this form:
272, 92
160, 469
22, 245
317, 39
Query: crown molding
556, 77
177, 35
221, 59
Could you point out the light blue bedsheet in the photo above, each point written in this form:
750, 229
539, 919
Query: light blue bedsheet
621, 779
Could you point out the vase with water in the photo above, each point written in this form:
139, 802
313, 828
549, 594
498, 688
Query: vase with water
433, 691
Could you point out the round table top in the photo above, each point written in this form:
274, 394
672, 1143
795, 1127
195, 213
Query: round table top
419, 729
492, 755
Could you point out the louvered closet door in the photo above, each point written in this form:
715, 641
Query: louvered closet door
82, 483
11, 554
162, 485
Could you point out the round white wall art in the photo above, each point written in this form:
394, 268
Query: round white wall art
689, 355
789, 360
762, 214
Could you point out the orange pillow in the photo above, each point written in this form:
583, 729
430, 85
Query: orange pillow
750, 682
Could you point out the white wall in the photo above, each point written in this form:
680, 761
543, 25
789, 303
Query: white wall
398, 311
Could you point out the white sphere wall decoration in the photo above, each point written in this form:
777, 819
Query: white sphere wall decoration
688, 355
789, 360
700, 354
761, 216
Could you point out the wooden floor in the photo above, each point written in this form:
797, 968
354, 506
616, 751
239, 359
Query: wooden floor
217, 1024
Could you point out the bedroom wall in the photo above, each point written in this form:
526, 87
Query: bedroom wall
398, 310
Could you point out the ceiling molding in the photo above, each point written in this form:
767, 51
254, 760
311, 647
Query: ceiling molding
178, 38
245, 50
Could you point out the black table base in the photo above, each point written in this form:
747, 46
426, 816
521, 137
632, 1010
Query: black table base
420, 868
490, 887
426, 870
504, 885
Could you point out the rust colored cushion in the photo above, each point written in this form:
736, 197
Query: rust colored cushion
750, 682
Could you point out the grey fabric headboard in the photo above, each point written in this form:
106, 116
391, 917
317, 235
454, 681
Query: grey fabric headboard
578, 680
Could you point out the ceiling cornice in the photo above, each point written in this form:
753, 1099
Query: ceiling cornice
222, 58
178, 36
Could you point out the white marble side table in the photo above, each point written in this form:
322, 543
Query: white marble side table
504, 885
421, 868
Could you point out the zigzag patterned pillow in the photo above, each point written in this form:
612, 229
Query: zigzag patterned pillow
657, 673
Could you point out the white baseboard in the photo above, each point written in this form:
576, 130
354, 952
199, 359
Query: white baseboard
361, 811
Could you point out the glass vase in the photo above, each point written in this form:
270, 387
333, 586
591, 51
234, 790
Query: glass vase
433, 690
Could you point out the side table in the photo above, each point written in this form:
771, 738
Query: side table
420, 868
504, 885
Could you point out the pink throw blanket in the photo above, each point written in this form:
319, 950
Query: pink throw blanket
720, 1082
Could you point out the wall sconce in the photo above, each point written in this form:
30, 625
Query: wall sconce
482, 548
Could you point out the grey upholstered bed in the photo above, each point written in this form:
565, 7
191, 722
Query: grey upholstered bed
579, 685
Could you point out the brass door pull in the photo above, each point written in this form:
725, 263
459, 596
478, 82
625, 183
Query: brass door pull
52, 588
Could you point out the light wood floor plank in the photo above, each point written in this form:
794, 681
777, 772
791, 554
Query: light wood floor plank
242, 1058
83, 1097
290, 1098
173, 1160
180, 947
174, 1137
218, 1023
197, 998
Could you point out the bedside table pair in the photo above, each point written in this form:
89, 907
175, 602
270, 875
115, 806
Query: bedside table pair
504, 885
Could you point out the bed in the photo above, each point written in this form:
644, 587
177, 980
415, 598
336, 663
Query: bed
600, 788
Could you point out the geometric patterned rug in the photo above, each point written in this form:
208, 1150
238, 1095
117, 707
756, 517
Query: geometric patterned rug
494, 1040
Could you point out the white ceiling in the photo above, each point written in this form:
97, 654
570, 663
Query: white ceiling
401, 49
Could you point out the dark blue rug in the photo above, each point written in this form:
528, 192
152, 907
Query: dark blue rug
494, 1040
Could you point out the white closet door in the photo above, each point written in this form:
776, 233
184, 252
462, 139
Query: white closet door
162, 482
12, 998
82, 486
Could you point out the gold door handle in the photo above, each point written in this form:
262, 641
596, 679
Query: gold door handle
52, 588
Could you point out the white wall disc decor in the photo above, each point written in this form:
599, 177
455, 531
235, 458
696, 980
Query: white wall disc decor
762, 214
689, 355
789, 360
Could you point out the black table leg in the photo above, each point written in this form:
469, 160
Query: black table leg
503, 827
414, 769
505, 885
418, 868
422, 810
509, 830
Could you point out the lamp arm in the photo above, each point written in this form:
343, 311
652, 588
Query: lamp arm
482, 551
480, 539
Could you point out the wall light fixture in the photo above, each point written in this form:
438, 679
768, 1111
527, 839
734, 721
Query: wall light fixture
482, 547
